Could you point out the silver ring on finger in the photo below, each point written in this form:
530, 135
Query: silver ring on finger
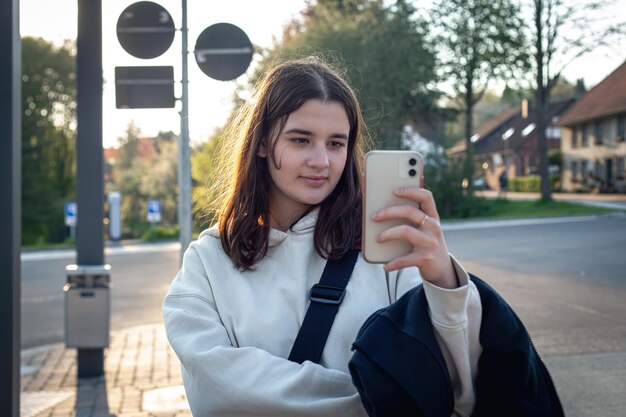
421, 222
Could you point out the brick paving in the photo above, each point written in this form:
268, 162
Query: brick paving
142, 379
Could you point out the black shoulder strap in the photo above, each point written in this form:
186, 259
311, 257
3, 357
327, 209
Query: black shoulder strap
325, 296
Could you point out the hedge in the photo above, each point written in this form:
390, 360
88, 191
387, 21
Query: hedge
531, 184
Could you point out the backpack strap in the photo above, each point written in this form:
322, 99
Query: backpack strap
325, 296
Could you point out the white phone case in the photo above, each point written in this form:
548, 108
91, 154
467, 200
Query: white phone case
386, 171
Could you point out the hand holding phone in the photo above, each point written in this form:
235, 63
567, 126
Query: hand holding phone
406, 230
386, 171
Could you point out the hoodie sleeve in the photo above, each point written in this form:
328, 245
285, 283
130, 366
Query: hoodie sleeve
456, 315
222, 380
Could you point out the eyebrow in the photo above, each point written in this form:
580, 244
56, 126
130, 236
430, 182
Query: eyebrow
309, 133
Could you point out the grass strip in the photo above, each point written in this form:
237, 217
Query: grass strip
521, 209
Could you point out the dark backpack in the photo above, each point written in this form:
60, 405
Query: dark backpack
399, 369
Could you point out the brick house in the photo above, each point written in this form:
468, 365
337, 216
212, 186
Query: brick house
594, 146
511, 140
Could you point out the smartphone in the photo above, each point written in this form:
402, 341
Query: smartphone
386, 171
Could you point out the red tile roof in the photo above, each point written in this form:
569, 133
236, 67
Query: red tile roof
605, 99
145, 150
111, 153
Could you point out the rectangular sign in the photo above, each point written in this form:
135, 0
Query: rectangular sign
70, 214
154, 211
144, 87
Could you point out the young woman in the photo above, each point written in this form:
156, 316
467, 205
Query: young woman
292, 201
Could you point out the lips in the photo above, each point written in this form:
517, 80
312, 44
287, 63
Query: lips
314, 180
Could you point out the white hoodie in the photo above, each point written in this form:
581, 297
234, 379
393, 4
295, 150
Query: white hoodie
233, 330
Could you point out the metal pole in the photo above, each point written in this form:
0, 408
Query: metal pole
89, 165
184, 153
506, 156
10, 209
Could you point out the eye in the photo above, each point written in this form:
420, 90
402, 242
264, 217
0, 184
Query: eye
337, 144
299, 141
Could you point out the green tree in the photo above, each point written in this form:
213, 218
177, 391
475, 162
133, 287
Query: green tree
385, 51
145, 169
127, 174
48, 138
203, 163
443, 176
480, 40
161, 179
563, 31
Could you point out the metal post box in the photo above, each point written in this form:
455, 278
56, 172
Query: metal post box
87, 306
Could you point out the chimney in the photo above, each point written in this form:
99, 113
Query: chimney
580, 88
524, 108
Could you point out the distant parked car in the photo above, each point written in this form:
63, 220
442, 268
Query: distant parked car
480, 184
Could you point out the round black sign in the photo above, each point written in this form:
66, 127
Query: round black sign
145, 30
223, 51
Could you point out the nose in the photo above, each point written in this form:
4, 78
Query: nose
318, 157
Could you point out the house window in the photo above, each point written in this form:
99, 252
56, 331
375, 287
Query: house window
575, 137
585, 138
620, 168
574, 170
584, 167
598, 133
553, 132
597, 169
621, 128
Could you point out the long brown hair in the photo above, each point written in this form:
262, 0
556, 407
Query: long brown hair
244, 179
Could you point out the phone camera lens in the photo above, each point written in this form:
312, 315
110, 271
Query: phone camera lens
412, 162
412, 172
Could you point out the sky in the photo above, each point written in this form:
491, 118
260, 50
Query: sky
209, 100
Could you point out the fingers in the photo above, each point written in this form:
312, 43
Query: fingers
422, 196
418, 237
406, 212
422, 229
425, 246
427, 241
413, 214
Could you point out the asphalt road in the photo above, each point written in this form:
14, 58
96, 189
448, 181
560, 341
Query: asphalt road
567, 281
565, 278
140, 276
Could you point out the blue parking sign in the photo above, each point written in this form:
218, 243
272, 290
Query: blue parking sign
70, 214
154, 211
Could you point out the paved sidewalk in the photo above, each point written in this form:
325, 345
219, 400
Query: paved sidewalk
142, 379
142, 373
614, 201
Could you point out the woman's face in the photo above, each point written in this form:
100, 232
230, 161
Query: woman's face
310, 153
